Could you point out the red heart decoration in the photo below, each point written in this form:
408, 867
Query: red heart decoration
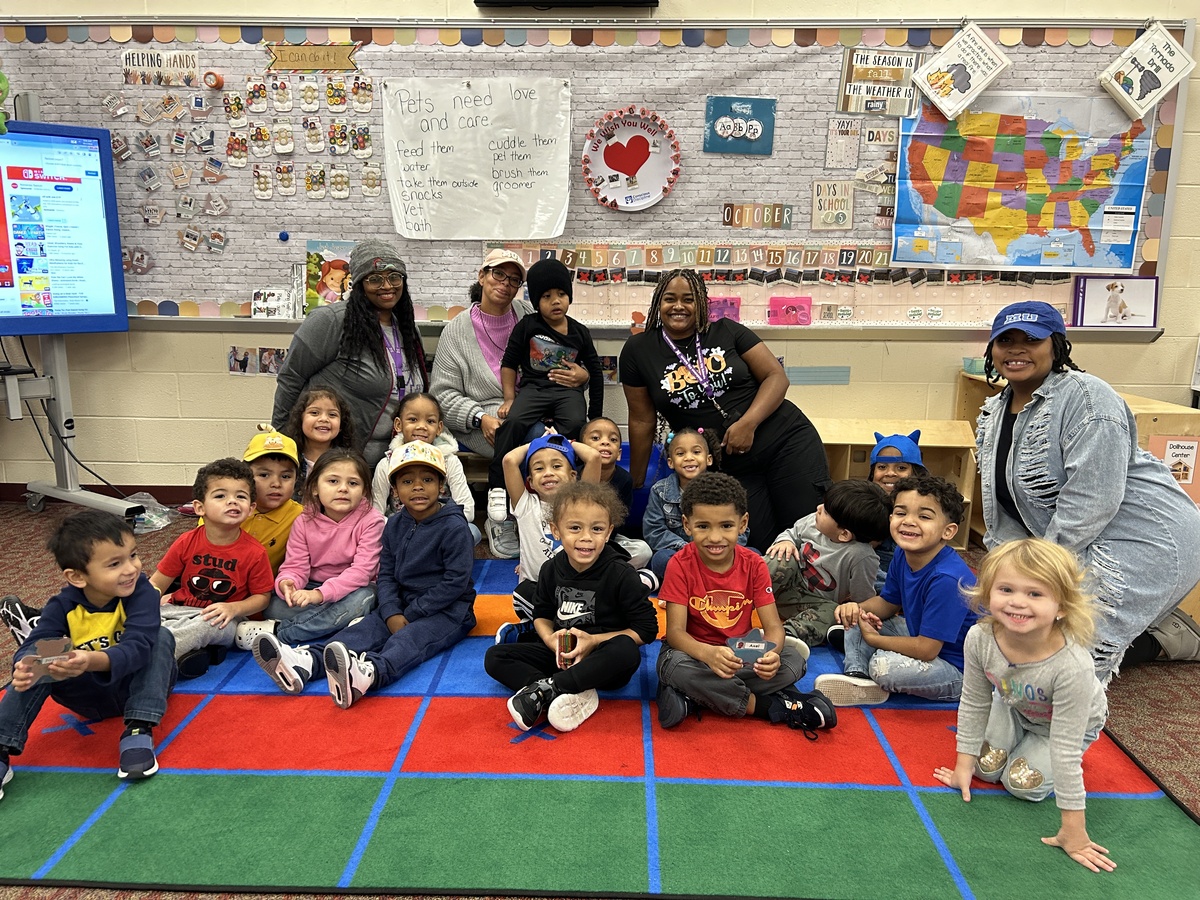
627, 158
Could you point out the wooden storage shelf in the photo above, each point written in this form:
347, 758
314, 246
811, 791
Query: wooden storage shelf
947, 447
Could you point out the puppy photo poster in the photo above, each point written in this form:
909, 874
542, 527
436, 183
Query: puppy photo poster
1123, 301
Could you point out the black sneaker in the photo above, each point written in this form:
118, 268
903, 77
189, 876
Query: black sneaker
529, 704
674, 706
835, 637
195, 663
19, 618
806, 712
137, 754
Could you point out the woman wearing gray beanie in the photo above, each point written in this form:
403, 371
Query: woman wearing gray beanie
367, 348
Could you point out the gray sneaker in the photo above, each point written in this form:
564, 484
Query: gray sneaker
1179, 636
502, 539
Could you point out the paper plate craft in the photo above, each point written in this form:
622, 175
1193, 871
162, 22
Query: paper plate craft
630, 159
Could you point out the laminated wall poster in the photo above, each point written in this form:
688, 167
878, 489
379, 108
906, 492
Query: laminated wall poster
958, 74
1149, 68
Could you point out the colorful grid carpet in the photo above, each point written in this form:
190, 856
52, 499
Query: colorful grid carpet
429, 787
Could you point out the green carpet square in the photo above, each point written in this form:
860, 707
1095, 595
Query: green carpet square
996, 842
509, 835
226, 830
40, 810
795, 842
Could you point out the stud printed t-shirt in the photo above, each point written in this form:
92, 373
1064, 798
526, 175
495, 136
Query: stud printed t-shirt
719, 604
211, 573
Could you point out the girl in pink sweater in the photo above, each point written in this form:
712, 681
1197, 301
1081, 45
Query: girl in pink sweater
327, 577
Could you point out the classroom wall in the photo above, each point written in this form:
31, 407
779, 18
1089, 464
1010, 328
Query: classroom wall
151, 406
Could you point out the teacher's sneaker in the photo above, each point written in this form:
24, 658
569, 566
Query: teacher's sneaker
568, 711
349, 675
849, 690
805, 712
497, 505
289, 667
1179, 637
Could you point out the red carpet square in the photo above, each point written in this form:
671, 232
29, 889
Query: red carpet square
923, 741
753, 750
477, 735
59, 738
304, 734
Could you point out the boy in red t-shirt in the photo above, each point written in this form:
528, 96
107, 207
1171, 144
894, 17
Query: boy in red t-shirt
711, 588
224, 573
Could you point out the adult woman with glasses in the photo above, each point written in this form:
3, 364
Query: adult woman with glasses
367, 348
721, 376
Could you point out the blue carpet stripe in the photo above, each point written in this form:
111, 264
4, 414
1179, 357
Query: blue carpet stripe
91, 820
914, 796
653, 863
385, 791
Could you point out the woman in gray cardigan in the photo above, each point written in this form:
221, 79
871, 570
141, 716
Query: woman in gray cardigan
366, 347
1059, 459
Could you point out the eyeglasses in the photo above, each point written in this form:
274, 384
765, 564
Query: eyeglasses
500, 278
395, 279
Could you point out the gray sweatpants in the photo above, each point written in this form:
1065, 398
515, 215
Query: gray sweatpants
728, 696
192, 632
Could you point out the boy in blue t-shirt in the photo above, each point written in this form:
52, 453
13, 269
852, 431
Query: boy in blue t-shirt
920, 652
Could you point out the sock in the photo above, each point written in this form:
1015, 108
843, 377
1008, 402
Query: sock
762, 707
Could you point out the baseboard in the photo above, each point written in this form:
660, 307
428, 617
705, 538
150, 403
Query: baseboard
166, 494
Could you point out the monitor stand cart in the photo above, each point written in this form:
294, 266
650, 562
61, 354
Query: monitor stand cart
55, 388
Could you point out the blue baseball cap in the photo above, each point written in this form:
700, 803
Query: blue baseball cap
553, 441
906, 444
1035, 318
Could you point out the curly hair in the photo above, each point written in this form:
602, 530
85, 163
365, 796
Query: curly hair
709, 437
947, 495
1052, 565
332, 456
714, 489
361, 334
73, 540
576, 493
699, 292
1062, 361
294, 427
222, 468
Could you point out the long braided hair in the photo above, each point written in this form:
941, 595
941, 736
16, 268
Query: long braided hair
361, 331
1061, 362
699, 291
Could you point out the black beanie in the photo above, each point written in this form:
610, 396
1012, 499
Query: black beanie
546, 274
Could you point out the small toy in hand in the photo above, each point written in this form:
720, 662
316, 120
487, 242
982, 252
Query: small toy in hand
750, 647
47, 651
566, 643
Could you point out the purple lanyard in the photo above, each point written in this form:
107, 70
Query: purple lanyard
396, 352
700, 374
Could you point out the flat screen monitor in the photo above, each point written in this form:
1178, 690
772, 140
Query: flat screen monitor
60, 245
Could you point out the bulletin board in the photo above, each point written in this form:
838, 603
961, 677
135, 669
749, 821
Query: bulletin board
769, 173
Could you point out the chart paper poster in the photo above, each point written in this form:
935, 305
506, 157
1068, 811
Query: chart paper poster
485, 159
1024, 182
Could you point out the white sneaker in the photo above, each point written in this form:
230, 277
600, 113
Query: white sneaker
568, 711
846, 690
503, 541
247, 631
289, 667
497, 506
798, 645
349, 675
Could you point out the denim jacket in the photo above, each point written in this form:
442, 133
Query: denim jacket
1078, 478
662, 523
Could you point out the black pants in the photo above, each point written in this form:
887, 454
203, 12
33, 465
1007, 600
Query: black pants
607, 668
537, 401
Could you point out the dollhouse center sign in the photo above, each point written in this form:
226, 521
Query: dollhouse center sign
484, 159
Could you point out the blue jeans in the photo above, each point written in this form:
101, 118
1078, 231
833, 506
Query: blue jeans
658, 562
900, 674
142, 695
302, 624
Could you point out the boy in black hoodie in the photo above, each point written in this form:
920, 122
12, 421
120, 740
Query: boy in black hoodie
426, 595
591, 613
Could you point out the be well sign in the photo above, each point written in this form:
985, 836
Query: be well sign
485, 159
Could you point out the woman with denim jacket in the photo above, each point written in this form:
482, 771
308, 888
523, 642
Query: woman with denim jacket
1059, 459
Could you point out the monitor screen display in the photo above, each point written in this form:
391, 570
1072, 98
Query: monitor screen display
60, 245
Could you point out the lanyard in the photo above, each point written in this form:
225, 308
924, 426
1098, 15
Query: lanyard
699, 371
396, 352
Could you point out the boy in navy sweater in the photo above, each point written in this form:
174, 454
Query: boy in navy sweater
120, 662
426, 595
